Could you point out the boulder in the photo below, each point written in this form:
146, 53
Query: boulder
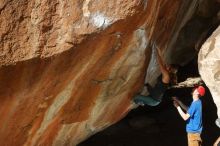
209, 65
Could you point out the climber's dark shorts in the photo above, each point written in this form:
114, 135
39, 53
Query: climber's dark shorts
155, 96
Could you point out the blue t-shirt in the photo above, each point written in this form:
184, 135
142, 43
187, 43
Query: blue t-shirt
194, 123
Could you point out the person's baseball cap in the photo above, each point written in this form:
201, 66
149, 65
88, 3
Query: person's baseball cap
201, 90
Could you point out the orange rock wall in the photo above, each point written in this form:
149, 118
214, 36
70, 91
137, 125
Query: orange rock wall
70, 68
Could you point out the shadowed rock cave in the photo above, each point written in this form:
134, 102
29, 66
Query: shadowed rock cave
161, 125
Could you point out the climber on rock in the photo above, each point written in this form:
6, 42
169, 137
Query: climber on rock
167, 77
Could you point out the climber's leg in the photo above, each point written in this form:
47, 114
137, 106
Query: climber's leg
148, 100
149, 87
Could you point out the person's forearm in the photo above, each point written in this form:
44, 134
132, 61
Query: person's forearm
183, 106
216, 142
161, 64
182, 114
159, 60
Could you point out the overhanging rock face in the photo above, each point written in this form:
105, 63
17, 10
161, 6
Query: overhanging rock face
70, 68
209, 65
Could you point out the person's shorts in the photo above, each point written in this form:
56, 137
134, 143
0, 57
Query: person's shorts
194, 139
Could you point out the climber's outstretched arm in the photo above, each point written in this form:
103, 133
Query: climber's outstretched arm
164, 71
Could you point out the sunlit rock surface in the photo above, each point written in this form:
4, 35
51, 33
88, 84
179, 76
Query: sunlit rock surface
209, 65
70, 68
